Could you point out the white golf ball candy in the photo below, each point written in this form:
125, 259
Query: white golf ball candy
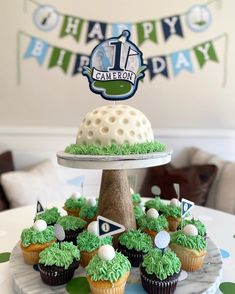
40, 225
132, 191
91, 202
75, 195
174, 202
93, 228
152, 212
106, 252
190, 230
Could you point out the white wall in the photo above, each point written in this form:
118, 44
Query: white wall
50, 98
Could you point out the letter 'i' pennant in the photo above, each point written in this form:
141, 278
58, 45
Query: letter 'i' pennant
60, 58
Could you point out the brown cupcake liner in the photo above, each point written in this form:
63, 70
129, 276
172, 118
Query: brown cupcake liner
106, 287
173, 223
55, 276
190, 261
86, 257
73, 212
152, 285
135, 257
71, 236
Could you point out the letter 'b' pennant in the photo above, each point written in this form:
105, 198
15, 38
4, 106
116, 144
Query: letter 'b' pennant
108, 227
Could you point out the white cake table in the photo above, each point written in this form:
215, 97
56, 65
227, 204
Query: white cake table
220, 227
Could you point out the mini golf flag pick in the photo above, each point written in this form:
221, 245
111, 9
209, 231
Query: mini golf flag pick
177, 190
108, 227
186, 206
162, 240
40, 208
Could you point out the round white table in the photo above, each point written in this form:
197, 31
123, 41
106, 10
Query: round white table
220, 227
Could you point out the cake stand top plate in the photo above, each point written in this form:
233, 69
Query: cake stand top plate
113, 162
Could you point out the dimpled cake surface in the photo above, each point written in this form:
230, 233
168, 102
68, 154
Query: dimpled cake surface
114, 124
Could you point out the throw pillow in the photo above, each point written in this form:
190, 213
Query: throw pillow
6, 165
39, 183
194, 181
222, 193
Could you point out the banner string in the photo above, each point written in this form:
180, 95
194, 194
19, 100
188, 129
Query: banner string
208, 3
23, 33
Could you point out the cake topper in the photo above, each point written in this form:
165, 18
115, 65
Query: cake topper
162, 240
108, 227
156, 190
115, 68
59, 232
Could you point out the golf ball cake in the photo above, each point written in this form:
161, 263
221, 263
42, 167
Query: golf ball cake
114, 124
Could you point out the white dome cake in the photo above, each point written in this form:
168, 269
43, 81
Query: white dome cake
114, 124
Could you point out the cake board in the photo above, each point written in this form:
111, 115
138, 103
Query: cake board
205, 281
115, 201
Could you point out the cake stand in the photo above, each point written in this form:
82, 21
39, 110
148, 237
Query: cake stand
115, 201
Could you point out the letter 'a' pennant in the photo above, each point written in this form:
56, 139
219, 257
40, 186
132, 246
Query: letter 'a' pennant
107, 227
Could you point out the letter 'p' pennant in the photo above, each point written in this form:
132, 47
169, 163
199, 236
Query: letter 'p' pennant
108, 227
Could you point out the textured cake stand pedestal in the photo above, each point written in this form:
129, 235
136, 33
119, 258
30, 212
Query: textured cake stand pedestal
115, 201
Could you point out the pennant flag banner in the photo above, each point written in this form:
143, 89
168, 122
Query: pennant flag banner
196, 18
179, 61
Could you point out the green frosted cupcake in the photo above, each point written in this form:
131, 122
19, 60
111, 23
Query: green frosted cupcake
198, 224
151, 223
50, 216
58, 262
73, 204
88, 244
88, 211
108, 271
134, 244
190, 247
72, 226
172, 213
136, 198
138, 211
160, 271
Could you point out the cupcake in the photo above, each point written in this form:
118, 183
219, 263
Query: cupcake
73, 204
189, 247
160, 271
136, 199
72, 226
198, 224
108, 271
172, 213
36, 239
151, 223
134, 244
155, 203
88, 243
88, 211
50, 216
58, 262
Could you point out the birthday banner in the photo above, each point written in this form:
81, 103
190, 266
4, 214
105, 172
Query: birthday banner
198, 18
178, 61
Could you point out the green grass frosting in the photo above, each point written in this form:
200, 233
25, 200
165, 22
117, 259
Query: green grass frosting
161, 265
102, 270
114, 149
71, 203
156, 203
191, 242
87, 241
198, 224
172, 210
59, 254
32, 236
69, 222
153, 224
88, 211
138, 211
136, 198
135, 239
50, 216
